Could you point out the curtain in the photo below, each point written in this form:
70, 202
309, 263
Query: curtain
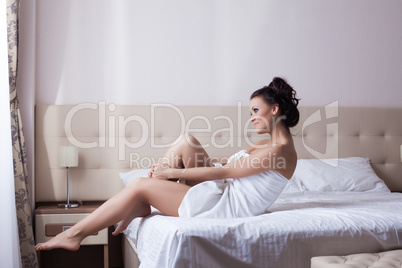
21, 179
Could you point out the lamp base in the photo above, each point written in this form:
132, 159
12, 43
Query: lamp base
71, 205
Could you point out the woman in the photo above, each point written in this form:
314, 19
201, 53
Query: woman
273, 110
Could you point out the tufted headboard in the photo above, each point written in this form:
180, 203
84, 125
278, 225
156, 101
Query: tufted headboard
116, 138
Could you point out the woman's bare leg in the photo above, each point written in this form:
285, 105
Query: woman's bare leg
136, 197
127, 204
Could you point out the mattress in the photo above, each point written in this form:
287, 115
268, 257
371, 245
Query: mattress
295, 228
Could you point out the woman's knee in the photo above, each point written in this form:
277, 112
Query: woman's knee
137, 183
189, 140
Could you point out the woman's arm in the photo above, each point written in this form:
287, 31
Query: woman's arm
258, 162
223, 160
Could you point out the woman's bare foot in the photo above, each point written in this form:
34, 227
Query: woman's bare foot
145, 211
121, 226
62, 240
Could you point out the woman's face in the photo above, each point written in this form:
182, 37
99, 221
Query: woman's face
261, 115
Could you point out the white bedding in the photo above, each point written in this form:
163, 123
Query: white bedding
297, 227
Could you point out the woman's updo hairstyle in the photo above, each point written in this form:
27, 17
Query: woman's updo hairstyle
281, 93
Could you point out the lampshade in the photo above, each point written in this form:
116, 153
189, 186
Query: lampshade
68, 156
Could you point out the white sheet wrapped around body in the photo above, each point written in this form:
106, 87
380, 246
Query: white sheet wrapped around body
233, 198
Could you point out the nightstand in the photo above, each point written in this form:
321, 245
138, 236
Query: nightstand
51, 220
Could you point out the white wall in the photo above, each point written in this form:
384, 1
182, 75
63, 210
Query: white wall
216, 52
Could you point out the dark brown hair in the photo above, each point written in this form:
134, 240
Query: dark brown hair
281, 93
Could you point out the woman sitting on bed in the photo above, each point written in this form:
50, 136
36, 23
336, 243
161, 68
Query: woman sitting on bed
246, 185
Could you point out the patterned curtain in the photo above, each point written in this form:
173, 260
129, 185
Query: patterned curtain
22, 198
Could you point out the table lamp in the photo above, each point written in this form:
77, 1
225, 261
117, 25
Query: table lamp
68, 157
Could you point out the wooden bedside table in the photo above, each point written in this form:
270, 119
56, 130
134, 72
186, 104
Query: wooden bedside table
51, 220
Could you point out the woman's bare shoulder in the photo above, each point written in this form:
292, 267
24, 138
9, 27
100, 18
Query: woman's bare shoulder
281, 158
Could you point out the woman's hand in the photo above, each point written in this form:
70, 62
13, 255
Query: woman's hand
160, 171
152, 169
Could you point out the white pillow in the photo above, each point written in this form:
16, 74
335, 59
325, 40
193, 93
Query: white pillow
127, 177
352, 174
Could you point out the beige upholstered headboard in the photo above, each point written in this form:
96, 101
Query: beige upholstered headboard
113, 139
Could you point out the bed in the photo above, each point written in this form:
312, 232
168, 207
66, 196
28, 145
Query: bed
296, 228
302, 223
